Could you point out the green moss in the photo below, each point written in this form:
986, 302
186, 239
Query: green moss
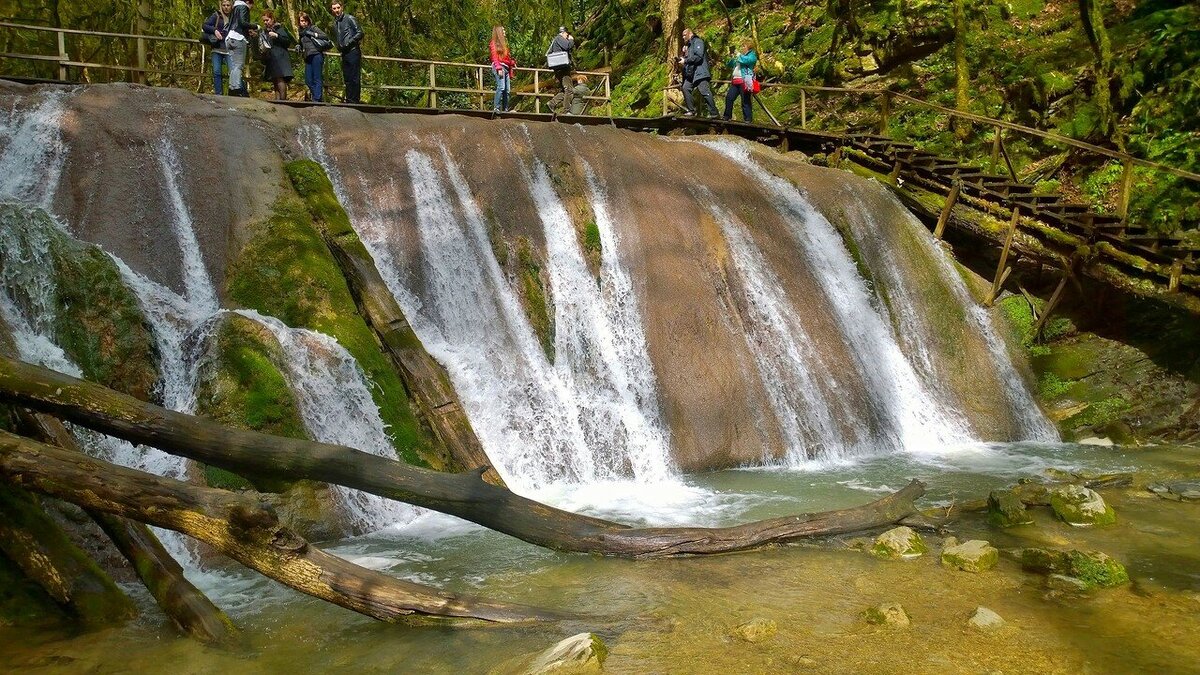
1096, 570
591, 239
22, 601
1052, 388
533, 295
287, 271
1098, 414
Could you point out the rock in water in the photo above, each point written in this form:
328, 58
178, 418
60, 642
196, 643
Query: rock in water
1092, 569
1183, 490
582, 653
985, 619
1005, 509
971, 556
891, 614
900, 542
1080, 506
756, 630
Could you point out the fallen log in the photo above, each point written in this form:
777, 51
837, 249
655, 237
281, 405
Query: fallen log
464, 495
188, 608
239, 526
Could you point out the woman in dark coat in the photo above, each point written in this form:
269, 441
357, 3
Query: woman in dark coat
313, 44
277, 62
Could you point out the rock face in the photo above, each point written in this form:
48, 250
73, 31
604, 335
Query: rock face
756, 630
891, 614
1080, 506
1079, 569
582, 653
975, 555
985, 619
1005, 509
900, 542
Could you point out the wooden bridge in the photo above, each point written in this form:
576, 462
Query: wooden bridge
990, 205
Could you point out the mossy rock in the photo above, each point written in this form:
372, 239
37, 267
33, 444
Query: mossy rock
1080, 506
1005, 509
892, 614
94, 317
1092, 569
897, 543
534, 297
756, 630
582, 653
287, 271
971, 556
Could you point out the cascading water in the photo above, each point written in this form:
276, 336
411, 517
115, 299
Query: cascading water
914, 420
34, 153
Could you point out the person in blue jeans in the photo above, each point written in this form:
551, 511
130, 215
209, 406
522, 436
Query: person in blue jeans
741, 81
216, 29
313, 44
503, 65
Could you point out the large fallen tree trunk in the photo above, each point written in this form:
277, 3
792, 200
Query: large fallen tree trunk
464, 495
238, 526
189, 609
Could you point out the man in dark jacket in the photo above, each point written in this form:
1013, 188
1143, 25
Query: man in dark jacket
696, 74
347, 35
564, 42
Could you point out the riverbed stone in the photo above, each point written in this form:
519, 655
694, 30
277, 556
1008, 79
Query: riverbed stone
890, 614
1093, 569
899, 542
985, 619
975, 555
1005, 509
1181, 490
1066, 584
1080, 506
581, 653
756, 630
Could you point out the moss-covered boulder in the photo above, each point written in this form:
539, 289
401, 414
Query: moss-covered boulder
1092, 569
1005, 509
891, 614
582, 653
1081, 506
975, 555
897, 543
73, 292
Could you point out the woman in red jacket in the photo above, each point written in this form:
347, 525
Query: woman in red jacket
503, 66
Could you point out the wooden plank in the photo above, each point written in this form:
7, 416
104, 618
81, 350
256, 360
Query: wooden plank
1002, 268
945, 216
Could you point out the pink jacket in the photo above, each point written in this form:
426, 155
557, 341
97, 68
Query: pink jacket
499, 61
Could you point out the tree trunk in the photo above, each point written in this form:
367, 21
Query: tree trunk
962, 74
189, 609
239, 526
462, 495
1097, 34
672, 27
40, 548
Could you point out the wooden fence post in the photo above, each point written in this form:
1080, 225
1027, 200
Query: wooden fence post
140, 74
1002, 270
433, 102
62, 55
537, 91
608, 89
885, 112
945, 216
996, 133
1123, 197
803, 109
479, 81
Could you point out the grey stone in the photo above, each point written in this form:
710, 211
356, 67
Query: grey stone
582, 653
1080, 506
899, 542
985, 619
971, 556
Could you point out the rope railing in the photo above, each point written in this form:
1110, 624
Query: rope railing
425, 72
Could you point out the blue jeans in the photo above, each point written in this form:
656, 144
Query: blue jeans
219, 59
736, 90
503, 88
314, 75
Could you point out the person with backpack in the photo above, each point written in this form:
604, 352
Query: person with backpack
313, 45
742, 81
237, 41
348, 35
696, 73
558, 58
215, 30
503, 65
276, 59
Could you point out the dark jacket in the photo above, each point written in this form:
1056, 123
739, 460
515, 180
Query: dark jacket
308, 41
695, 64
215, 23
279, 63
239, 20
562, 44
346, 33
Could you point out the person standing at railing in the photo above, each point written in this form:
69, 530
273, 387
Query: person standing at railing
277, 61
313, 45
742, 81
215, 30
696, 73
503, 65
237, 41
558, 57
347, 35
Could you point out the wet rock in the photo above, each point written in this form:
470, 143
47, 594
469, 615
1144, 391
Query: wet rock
582, 653
971, 556
1091, 568
1099, 442
1080, 506
1065, 584
985, 619
1183, 490
900, 542
891, 614
756, 630
1005, 509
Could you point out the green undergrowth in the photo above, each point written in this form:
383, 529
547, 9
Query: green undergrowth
287, 271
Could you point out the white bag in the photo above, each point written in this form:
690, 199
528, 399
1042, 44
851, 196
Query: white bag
558, 59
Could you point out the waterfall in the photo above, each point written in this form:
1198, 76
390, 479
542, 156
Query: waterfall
915, 422
34, 154
336, 407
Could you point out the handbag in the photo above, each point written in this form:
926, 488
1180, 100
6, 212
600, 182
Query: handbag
557, 59
264, 45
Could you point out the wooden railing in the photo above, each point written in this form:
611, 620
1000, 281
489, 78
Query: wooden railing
180, 62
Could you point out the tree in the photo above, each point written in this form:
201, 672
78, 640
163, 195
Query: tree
1093, 26
962, 73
